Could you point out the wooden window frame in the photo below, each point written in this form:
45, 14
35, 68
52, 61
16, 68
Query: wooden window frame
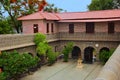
111, 27
35, 28
71, 28
90, 27
52, 27
47, 28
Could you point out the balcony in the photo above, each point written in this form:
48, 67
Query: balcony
90, 37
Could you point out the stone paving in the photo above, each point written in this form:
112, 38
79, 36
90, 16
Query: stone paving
66, 71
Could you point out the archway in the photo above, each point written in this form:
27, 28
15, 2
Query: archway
76, 52
104, 49
103, 54
88, 54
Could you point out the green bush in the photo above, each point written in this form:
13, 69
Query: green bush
3, 76
14, 63
51, 56
43, 49
68, 48
105, 55
39, 38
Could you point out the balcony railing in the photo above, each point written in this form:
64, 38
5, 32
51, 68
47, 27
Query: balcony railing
90, 37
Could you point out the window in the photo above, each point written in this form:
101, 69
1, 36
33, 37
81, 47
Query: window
47, 31
52, 27
71, 28
110, 27
35, 28
89, 27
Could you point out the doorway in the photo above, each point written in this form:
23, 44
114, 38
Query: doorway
88, 55
76, 52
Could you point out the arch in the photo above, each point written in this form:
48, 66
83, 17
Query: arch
76, 52
104, 49
101, 53
30, 53
88, 54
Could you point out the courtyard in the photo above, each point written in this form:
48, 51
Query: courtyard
66, 71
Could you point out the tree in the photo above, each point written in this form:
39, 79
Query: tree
17, 8
101, 5
52, 8
68, 48
116, 4
5, 28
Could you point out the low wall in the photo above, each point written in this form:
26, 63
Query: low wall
111, 70
13, 41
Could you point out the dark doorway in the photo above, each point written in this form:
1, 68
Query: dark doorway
71, 28
35, 28
76, 52
88, 54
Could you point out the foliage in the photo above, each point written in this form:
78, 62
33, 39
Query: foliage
39, 38
14, 63
5, 27
43, 49
3, 76
68, 48
105, 55
17, 8
51, 8
101, 5
51, 56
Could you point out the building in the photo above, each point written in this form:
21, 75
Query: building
91, 31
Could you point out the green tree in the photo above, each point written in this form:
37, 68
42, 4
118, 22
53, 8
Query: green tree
105, 55
52, 8
5, 28
101, 5
43, 49
17, 8
68, 48
14, 64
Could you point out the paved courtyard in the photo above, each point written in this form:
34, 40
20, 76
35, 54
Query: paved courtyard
66, 71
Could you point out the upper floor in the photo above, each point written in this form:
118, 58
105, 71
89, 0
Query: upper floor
93, 25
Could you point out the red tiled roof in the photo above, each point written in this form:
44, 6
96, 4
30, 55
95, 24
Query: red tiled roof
90, 14
85, 16
40, 15
90, 20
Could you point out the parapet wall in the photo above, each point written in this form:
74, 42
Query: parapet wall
111, 70
13, 41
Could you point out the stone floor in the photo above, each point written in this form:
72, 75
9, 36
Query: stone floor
66, 71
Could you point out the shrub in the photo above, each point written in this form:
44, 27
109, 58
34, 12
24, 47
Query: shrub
43, 49
3, 76
14, 63
68, 48
51, 56
105, 55
39, 38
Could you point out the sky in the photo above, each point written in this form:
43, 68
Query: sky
71, 5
